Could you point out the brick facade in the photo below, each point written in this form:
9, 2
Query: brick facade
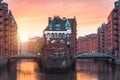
101, 35
8, 31
108, 34
61, 31
87, 44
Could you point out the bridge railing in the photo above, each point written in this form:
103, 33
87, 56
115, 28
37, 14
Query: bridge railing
98, 55
25, 56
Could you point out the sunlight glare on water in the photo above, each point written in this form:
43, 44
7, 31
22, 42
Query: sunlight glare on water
83, 76
27, 71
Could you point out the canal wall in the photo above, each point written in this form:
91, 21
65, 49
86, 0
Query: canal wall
69, 68
3, 60
117, 61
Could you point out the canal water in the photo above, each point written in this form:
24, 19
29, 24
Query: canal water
85, 70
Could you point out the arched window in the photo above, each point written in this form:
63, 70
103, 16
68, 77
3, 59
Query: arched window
63, 35
55, 35
60, 35
52, 35
48, 34
68, 35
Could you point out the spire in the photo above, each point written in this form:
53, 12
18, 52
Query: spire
67, 24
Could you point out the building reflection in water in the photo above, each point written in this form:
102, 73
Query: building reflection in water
91, 70
7, 72
85, 70
66, 76
3, 74
27, 71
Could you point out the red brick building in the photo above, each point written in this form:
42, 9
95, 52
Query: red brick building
112, 32
102, 37
108, 35
8, 32
87, 44
61, 30
113, 29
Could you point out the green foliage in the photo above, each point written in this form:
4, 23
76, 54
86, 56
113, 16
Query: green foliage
39, 44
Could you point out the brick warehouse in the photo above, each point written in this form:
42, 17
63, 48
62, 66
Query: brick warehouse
60, 43
8, 32
101, 35
61, 30
108, 35
87, 44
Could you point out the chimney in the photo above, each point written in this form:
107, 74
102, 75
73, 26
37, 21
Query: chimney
49, 20
64, 18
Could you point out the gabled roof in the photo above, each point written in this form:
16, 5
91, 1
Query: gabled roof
58, 24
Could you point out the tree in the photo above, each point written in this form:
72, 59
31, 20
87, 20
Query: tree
39, 44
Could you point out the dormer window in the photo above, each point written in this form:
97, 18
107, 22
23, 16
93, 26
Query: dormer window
117, 4
5, 5
63, 35
57, 26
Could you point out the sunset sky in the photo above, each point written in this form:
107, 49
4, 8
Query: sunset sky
32, 15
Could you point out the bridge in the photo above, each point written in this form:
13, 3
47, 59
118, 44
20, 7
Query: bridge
76, 56
25, 56
93, 56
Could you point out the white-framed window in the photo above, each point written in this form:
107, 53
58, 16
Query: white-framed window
64, 35
60, 35
52, 35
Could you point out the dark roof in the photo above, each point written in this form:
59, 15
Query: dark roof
102, 26
58, 24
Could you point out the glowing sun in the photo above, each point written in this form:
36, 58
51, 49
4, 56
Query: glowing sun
23, 38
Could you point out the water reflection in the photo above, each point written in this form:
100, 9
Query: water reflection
3, 74
27, 71
7, 72
85, 70
66, 76
90, 70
